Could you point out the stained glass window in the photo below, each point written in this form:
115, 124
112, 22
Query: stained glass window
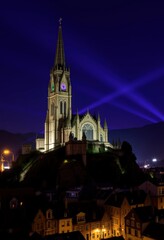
88, 130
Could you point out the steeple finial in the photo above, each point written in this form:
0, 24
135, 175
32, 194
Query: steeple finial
105, 124
60, 55
98, 117
60, 21
77, 112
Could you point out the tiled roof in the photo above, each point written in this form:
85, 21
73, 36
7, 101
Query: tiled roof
145, 214
133, 198
102, 194
115, 199
81, 116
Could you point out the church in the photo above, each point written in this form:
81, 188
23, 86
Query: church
60, 123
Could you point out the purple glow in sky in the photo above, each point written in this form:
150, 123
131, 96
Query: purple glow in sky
114, 49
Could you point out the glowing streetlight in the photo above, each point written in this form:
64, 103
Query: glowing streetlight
4, 153
8, 152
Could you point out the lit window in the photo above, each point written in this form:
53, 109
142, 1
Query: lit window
49, 214
48, 224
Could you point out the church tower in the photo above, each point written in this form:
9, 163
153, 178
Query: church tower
60, 122
58, 118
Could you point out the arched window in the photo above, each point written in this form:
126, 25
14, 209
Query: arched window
64, 108
52, 109
49, 214
61, 107
52, 86
88, 130
48, 224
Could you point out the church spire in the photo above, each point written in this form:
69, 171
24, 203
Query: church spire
60, 56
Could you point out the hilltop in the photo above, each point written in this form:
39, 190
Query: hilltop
117, 168
147, 142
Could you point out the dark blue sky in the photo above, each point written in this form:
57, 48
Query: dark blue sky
115, 50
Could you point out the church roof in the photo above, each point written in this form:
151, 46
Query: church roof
60, 55
81, 116
143, 214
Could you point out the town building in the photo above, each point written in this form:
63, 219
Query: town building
144, 223
92, 227
156, 191
119, 204
136, 222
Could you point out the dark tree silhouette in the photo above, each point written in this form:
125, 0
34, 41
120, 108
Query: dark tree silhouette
133, 175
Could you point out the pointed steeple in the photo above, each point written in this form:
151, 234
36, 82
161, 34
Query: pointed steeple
98, 117
60, 55
77, 116
105, 124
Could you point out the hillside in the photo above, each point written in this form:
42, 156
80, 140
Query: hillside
56, 170
147, 141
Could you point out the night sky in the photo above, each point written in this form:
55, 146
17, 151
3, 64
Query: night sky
114, 48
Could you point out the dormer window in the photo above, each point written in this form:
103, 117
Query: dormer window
49, 214
81, 217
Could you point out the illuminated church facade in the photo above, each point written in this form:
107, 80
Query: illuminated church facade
61, 124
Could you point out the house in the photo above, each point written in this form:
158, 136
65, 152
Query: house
119, 204
92, 221
102, 194
156, 191
136, 221
93, 227
44, 222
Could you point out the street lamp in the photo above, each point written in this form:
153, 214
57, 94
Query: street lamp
4, 154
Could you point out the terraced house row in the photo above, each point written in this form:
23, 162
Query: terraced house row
126, 213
